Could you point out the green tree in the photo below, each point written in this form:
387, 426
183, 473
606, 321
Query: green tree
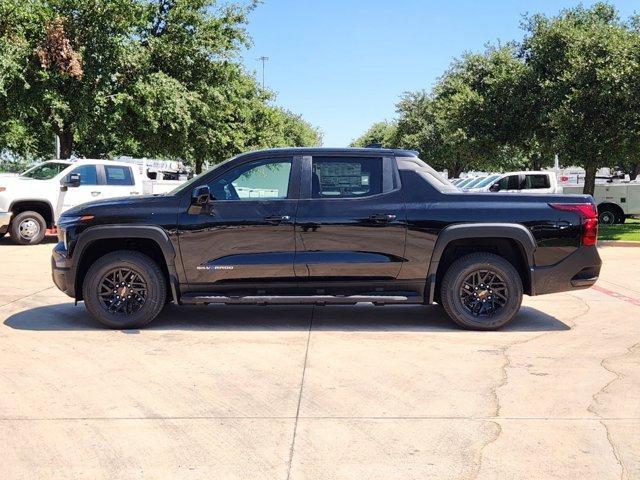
581, 63
380, 133
137, 77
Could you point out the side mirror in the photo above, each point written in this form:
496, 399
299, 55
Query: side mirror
201, 195
495, 187
72, 180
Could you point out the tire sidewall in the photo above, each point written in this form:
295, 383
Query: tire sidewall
463, 267
15, 228
147, 268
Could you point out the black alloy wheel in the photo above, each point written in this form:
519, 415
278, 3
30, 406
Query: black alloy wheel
123, 291
483, 293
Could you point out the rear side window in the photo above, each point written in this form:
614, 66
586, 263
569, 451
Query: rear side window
88, 174
118, 175
350, 177
536, 181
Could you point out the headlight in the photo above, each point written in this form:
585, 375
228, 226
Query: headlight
64, 223
2, 189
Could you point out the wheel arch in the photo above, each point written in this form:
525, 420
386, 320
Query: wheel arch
151, 240
43, 207
613, 207
514, 242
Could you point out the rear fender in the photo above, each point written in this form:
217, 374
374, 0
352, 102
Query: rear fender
512, 231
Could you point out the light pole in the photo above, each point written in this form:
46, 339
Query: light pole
263, 59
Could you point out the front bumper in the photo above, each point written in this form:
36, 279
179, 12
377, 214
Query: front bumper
5, 219
579, 270
61, 270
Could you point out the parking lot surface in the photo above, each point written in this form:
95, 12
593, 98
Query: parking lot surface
319, 392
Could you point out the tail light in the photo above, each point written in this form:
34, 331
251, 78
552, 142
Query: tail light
589, 215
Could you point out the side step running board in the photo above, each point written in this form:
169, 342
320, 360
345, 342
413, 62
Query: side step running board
300, 300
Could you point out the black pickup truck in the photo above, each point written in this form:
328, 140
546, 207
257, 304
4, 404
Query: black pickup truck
325, 227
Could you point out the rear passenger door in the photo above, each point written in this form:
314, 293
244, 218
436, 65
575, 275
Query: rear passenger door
350, 223
118, 181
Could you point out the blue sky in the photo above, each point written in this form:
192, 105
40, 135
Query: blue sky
343, 64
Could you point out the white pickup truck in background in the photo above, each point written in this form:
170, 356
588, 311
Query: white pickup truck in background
615, 201
33, 201
519, 182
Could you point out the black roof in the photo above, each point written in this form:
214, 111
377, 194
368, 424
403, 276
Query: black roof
334, 151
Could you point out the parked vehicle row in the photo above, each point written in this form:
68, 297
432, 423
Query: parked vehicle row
32, 202
325, 226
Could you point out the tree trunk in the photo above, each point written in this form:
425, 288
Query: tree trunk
198, 166
455, 170
66, 143
634, 171
590, 179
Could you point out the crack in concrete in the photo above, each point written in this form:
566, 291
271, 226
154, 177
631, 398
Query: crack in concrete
623, 469
478, 464
504, 380
592, 408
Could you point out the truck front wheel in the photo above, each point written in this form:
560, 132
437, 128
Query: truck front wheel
28, 228
124, 289
481, 291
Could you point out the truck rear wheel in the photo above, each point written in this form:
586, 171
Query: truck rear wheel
607, 216
124, 289
481, 291
28, 228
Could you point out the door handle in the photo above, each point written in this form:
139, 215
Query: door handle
276, 219
95, 194
382, 217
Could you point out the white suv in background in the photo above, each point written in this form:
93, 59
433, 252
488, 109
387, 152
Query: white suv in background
522, 182
33, 201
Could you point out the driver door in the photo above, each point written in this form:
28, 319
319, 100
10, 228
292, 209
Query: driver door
88, 190
246, 234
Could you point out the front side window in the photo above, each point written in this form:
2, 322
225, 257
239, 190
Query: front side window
46, 171
118, 175
260, 180
511, 182
340, 177
536, 181
88, 174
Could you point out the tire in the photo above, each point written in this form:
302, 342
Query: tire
607, 216
132, 312
28, 228
494, 312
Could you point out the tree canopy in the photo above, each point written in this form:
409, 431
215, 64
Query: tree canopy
570, 87
135, 77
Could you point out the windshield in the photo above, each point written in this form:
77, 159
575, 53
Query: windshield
474, 182
187, 184
465, 182
487, 181
45, 171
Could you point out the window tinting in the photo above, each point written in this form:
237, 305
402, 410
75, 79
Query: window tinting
344, 177
536, 181
118, 175
88, 174
264, 179
512, 182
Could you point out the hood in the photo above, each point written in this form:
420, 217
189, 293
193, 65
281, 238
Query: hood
120, 205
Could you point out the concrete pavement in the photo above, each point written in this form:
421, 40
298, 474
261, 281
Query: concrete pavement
319, 393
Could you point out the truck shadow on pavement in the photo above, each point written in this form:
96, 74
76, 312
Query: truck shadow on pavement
361, 318
7, 242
